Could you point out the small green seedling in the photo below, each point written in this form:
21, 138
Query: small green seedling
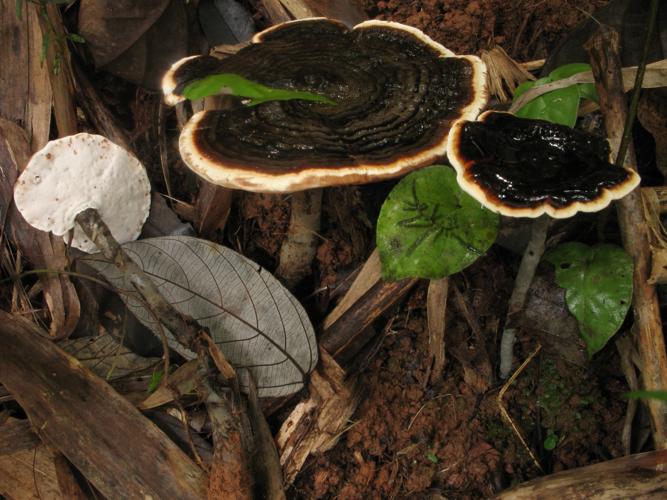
154, 383
432, 457
256, 93
657, 395
430, 228
550, 441
598, 284
561, 105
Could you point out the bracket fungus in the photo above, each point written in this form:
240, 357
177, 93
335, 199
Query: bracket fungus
397, 94
525, 168
522, 167
79, 172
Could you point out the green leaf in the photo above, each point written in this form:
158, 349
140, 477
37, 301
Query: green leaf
19, 9
76, 38
432, 457
156, 378
659, 395
429, 228
558, 106
561, 105
550, 442
237, 85
598, 284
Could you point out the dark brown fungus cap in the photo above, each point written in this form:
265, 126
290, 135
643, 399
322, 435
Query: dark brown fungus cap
397, 95
525, 168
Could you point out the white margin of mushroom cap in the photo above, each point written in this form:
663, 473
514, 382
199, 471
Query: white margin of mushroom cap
307, 178
83, 171
473, 189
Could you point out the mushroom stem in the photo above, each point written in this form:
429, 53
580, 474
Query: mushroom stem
182, 331
531, 258
298, 250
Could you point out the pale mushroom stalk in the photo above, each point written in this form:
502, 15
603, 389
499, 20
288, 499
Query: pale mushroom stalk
532, 168
298, 250
524, 277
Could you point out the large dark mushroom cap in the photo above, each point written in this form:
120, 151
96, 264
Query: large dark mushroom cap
397, 95
525, 168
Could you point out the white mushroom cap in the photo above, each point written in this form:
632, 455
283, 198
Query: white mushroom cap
83, 171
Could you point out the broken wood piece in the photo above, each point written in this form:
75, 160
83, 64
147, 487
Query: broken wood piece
341, 338
316, 424
657, 236
24, 80
82, 416
44, 251
229, 477
269, 474
634, 476
436, 310
603, 50
275, 12
58, 63
369, 275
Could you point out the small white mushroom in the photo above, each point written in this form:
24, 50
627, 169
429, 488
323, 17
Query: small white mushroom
83, 171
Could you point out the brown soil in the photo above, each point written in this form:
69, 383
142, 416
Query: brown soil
411, 437
525, 29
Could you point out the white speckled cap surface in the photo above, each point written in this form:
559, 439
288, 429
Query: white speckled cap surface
83, 171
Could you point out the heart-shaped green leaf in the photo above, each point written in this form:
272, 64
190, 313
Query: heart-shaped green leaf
598, 284
561, 105
429, 228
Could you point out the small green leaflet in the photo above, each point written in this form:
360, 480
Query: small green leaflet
242, 87
658, 395
156, 378
561, 105
598, 288
429, 228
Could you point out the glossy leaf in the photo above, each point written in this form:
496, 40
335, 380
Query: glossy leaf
429, 228
237, 85
561, 105
598, 288
256, 322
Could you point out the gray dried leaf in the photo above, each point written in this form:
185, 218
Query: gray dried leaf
256, 322
107, 358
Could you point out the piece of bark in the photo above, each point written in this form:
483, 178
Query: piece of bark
634, 476
275, 12
350, 12
24, 80
341, 337
58, 63
369, 275
104, 122
268, 473
316, 424
67, 483
80, 415
44, 251
229, 476
16, 435
212, 209
436, 309
603, 50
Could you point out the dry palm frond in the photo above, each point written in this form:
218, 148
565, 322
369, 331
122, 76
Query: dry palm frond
504, 74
